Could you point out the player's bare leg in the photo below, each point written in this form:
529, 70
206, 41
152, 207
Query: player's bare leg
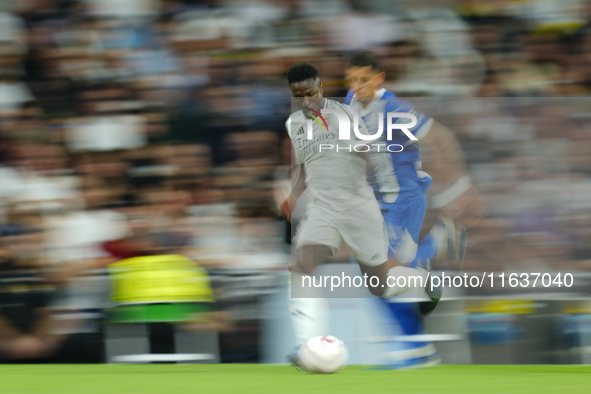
308, 257
391, 263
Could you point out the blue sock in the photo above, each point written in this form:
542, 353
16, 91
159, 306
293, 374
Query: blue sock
427, 249
406, 315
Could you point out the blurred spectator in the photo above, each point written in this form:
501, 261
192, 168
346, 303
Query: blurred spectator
28, 330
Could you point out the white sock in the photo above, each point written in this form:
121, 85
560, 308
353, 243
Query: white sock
415, 277
310, 317
439, 234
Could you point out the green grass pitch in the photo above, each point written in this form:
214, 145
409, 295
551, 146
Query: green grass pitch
275, 379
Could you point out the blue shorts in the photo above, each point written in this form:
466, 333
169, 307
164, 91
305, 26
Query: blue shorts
403, 224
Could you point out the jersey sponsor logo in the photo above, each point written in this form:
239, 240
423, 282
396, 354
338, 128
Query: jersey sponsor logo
309, 147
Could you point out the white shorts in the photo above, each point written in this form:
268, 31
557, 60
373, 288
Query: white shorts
362, 228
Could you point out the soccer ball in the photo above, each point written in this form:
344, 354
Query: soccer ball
325, 354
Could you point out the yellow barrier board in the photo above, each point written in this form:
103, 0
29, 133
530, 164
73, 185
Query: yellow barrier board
161, 278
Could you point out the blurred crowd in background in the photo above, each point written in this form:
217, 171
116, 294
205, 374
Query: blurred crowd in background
134, 127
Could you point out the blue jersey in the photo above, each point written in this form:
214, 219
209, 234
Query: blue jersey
405, 171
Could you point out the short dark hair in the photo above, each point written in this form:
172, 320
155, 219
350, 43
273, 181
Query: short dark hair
301, 72
366, 59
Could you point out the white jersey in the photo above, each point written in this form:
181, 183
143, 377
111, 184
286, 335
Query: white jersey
334, 178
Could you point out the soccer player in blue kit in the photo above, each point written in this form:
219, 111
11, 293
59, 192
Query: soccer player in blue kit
402, 196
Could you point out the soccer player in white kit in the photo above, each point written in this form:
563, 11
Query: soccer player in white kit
342, 206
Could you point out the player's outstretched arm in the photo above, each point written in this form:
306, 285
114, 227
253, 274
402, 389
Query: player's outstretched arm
455, 196
298, 186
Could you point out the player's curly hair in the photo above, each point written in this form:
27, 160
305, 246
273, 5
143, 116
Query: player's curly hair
366, 59
301, 72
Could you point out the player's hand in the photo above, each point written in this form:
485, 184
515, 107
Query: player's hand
469, 209
285, 208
